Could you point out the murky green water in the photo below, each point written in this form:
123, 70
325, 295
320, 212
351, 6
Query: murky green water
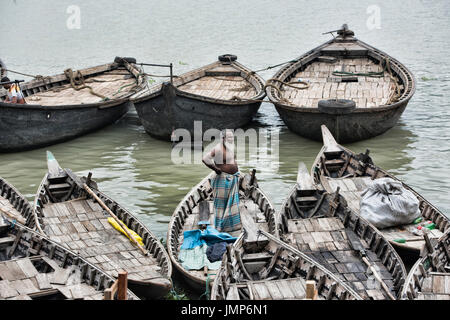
136, 169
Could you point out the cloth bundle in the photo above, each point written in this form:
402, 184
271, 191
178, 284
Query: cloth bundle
386, 203
196, 244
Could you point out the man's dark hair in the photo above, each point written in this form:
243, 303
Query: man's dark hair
5, 79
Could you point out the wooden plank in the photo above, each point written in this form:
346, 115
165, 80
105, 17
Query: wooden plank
232, 293
27, 267
43, 281
298, 288
6, 290
262, 291
285, 289
273, 290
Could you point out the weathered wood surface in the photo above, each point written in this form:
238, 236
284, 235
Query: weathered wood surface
283, 273
72, 217
256, 212
107, 84
367, 92
379, 101
319, 225
429, 278
353, 173
41, 269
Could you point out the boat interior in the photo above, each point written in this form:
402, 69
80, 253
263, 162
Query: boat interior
352, 174
275, 272
320, 225
255, 210
33, 268
70, 216
87, 86
219, 81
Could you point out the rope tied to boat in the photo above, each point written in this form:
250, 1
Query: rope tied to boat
269, 84
77, 82
207, 293
38, 77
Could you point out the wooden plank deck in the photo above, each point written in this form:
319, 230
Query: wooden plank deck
221, 82
325, 240
82, 226
367, 92
21, 280
283, 289
107, 84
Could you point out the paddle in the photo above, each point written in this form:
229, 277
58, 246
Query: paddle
20, 219
103, 205
355, 244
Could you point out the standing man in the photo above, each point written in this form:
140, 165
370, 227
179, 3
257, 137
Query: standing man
15, 95
225, 184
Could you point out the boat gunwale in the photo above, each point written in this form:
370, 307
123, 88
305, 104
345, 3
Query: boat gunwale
21, 208
288, 70
156, 90
410, 287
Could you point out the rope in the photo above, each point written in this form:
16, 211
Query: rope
25, 74
207, 293
277, 65
77, 83
157, 75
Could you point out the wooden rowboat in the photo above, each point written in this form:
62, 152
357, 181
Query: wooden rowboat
276, 272
356, 90
68, 105
321, 225
222, 95
429, 278
69, 214
256, 212
336, 166
32, 267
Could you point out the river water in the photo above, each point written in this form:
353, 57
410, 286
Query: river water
136, 170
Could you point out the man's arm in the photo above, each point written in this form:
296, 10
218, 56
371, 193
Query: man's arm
208, 160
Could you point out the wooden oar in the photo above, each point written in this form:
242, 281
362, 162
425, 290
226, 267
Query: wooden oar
104, 206
19, 219
355, 244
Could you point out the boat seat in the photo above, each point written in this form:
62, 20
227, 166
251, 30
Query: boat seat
59, 187
215, 73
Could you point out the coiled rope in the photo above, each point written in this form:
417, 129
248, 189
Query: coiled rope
77, 83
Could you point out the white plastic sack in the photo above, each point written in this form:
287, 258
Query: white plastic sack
386, 203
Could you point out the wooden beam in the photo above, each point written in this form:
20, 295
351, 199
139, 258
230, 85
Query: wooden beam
122, 285
311, 291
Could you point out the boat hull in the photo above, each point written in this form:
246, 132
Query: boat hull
24, 127
172, 109
345, 128
150, 290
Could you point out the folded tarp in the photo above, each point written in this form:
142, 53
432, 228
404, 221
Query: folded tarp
209, 236
386, 203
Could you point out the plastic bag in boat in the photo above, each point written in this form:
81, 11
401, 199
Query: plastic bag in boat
386, 203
